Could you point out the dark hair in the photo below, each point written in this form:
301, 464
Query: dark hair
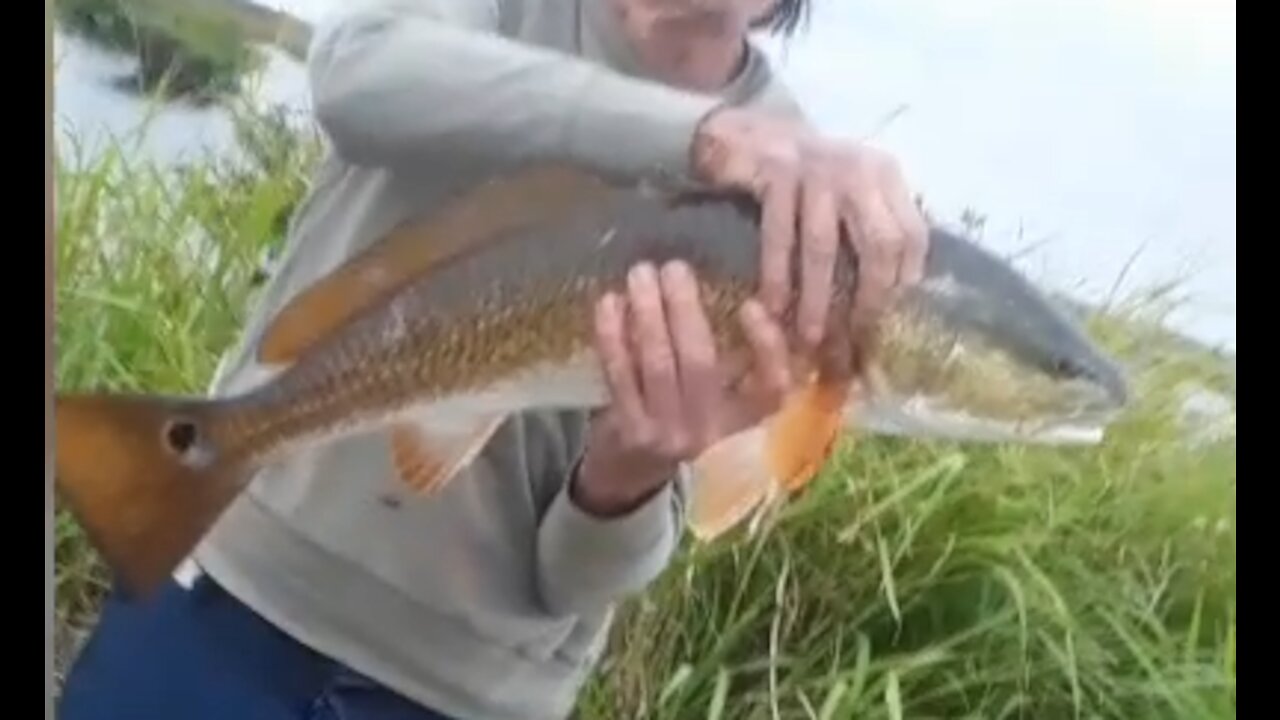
785, 17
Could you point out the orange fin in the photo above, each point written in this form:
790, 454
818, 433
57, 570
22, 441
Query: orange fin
527, 198
804, 432
753, 469
144, 478
730, 479
425, 460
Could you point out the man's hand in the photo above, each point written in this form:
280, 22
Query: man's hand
815, 187
668, 388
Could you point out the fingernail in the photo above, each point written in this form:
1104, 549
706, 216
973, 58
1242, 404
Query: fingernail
607, 309
676, 271
643, 275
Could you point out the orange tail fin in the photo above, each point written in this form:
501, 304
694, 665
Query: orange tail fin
143, 477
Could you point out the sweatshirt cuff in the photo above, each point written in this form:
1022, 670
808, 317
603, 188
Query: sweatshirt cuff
640, 129
595, 539
587, 562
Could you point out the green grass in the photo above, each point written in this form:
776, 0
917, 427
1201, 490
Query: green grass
912, 580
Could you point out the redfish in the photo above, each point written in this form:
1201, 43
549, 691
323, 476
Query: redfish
453, 322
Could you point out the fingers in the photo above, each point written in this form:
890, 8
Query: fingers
820, 234
810, 185
807, 195
778, 239
695, 352
916, 245
877, 242
763, 389
769, 348
619, 370
659, 378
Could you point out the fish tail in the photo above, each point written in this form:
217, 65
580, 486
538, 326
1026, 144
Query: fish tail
144, 476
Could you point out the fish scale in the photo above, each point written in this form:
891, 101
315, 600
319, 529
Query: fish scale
536, 308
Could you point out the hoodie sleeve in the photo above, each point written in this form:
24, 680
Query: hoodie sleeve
587, 563
403, 83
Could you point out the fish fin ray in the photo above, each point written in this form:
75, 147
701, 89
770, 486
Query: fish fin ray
143, 504
426, 458
251, 377
804, 432
749, 472
729, 480
528, 197
766, 511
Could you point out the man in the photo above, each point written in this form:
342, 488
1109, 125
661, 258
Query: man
491, 600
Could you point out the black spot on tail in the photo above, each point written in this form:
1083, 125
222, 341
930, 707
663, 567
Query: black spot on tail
181, 436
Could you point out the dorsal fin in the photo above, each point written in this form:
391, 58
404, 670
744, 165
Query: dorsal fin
524, 198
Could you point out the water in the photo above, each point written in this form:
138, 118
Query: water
88, 105
1096, 136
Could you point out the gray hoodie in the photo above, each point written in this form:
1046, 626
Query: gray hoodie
493, 598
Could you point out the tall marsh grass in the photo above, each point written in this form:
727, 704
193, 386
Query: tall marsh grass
913, 580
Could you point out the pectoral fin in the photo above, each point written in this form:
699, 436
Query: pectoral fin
735, 476
804, 432
730, 479
426, 457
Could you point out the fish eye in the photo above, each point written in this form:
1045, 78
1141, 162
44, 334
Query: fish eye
181, 435
1067, 367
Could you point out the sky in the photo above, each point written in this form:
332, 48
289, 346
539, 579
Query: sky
1102, 130
1096, 136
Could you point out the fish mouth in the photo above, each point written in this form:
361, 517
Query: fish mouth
1081, 421
1111, 386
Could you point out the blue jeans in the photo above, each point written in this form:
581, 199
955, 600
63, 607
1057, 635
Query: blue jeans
200, 654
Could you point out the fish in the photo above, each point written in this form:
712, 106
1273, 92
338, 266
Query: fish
452, 322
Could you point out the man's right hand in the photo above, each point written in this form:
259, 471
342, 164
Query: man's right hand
812, 186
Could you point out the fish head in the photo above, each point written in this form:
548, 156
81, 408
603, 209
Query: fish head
977, 353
